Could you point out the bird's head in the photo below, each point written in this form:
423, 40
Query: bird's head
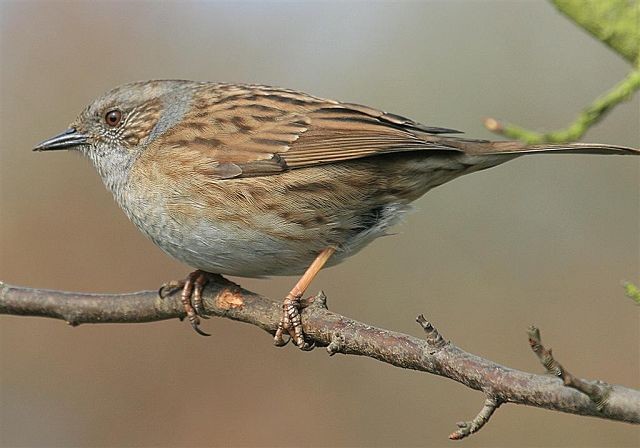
116, 126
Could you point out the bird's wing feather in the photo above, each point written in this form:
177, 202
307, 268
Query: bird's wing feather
349, 131
266, 131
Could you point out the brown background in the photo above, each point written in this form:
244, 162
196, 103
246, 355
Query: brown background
543, 240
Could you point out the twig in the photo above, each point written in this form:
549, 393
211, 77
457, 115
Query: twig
434, 338
437, 342
616, 23
467, 428
597, 391
587, 118
226, 299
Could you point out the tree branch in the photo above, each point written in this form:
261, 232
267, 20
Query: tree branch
614, 23
339, 334
591, 115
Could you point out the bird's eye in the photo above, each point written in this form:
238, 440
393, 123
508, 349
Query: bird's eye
113, 117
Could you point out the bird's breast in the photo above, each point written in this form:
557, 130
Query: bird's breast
216, 227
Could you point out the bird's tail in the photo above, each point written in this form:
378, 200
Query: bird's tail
515, 148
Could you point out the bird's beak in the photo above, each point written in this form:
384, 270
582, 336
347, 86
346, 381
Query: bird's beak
68, 139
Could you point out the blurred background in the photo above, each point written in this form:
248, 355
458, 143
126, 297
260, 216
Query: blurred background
545, 239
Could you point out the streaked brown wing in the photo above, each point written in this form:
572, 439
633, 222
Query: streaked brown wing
344, 131
257, 130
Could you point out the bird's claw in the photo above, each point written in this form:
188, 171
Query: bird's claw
195, 324
191, 297
169, 288
291, 324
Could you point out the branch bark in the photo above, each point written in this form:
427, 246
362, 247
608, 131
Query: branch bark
340, 334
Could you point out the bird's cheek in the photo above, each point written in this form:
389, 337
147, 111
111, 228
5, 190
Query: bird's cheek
131, 140
135, 136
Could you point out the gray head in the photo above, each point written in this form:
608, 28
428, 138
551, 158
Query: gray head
113, 129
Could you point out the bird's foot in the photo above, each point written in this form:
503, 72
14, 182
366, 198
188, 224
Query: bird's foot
191, 296
291, 323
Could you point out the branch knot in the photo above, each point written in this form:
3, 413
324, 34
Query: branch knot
336, 345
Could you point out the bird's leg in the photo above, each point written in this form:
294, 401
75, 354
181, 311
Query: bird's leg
191, 296
291, 322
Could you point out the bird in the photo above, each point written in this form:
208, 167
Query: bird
251, 180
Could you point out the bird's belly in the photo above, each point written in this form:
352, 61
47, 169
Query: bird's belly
225, 248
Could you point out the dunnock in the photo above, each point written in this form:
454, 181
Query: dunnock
252, 181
